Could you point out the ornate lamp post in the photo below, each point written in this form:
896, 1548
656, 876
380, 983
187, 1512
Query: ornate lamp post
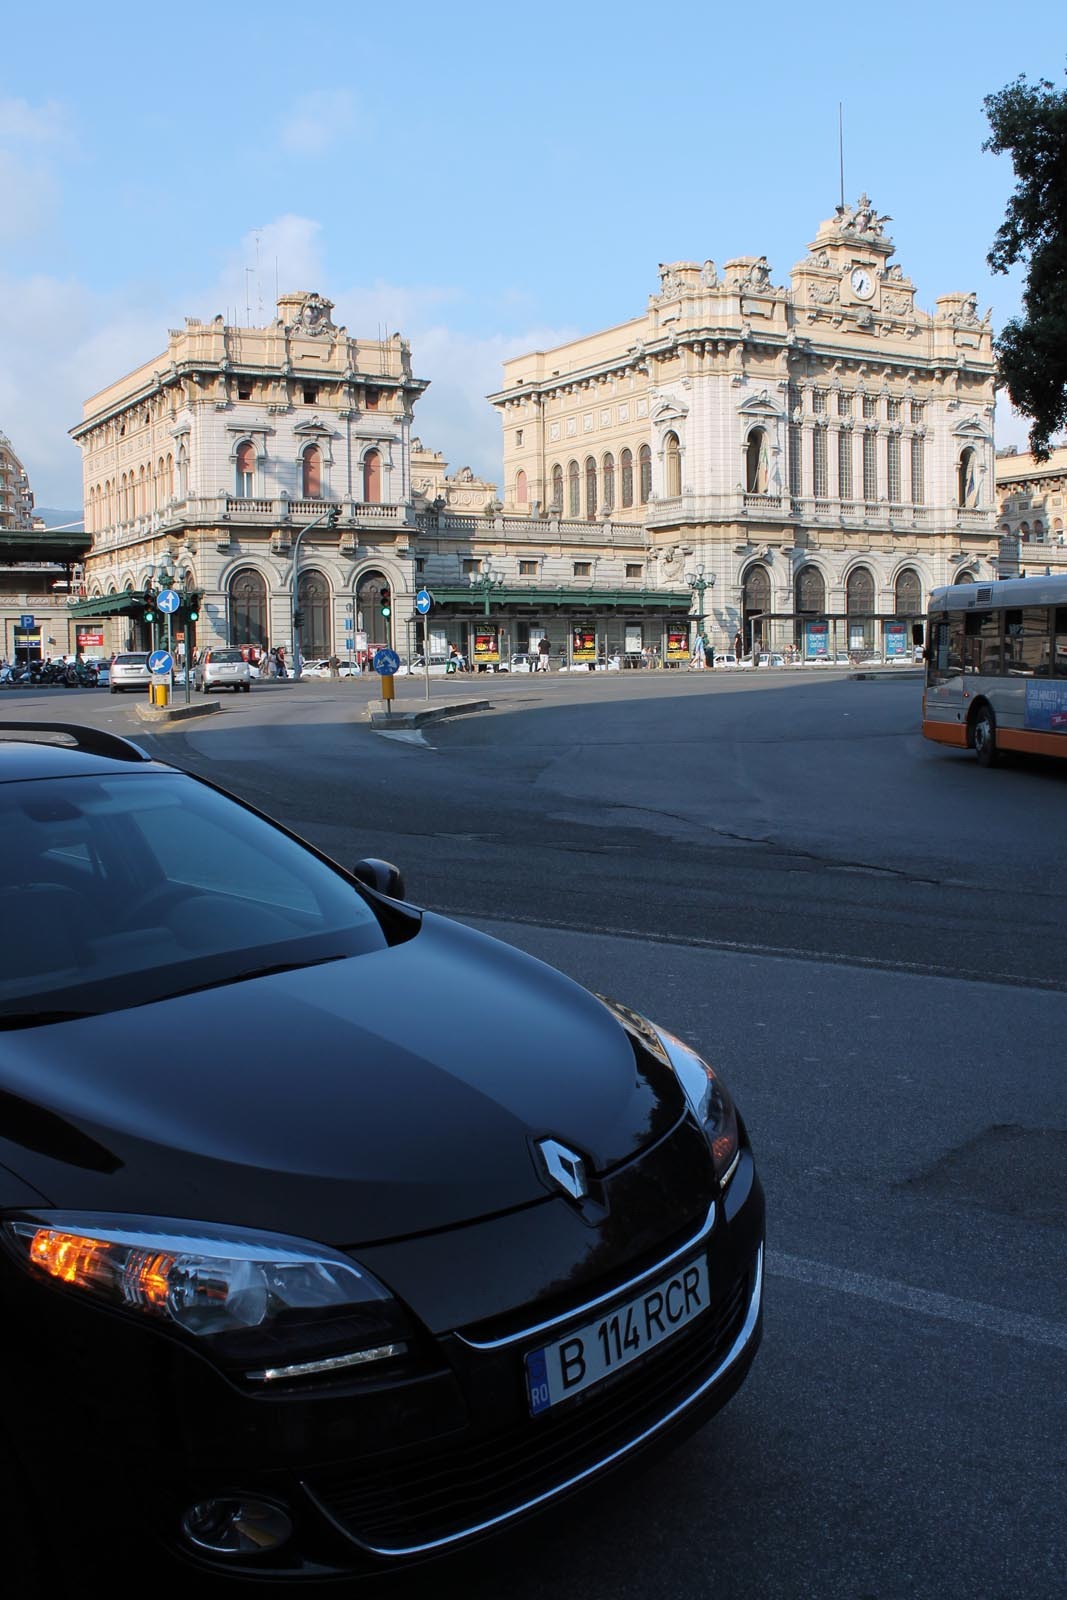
486, 580
699, 585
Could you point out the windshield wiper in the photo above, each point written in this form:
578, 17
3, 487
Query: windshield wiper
245, 975
35, 1019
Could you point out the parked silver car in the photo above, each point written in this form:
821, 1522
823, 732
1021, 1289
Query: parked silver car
129, 671
221, 669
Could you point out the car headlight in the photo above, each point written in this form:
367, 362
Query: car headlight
265, 1305
710, 1102
707, 1094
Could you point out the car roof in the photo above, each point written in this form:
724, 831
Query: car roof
31, 750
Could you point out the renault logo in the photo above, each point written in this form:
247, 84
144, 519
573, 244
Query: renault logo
564, 1167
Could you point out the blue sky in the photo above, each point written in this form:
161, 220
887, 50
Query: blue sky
486, 180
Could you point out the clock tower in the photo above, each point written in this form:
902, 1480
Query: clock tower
846, 279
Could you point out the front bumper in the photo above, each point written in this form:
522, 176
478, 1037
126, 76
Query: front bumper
390, 1473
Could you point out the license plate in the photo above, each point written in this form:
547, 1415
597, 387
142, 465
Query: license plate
623, 1334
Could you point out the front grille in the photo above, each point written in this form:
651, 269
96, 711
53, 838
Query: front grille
394, 1504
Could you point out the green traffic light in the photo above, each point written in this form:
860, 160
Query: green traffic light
150, 616
386, 611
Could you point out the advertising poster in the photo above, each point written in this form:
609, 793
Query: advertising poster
677, 644
583, 644
90, 641
486, 650
896, 640
816, 640
1046, 706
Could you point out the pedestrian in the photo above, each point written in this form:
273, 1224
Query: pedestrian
283, 671
697, 663
335, 667
454, 659
543, 651
739, 645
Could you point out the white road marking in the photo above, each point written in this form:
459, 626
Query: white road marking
405, 736
972, 1313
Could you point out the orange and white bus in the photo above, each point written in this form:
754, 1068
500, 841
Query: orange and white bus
996, 667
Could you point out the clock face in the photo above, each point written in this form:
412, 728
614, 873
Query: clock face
862, 283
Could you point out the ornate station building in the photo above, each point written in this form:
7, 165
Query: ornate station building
807, 461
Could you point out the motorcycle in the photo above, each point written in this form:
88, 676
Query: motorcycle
79, 675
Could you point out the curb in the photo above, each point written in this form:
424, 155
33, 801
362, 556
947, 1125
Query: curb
166, 714
415, 719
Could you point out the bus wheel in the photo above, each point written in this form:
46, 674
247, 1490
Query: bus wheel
984, 736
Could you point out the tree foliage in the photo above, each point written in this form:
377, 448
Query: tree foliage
1030, 122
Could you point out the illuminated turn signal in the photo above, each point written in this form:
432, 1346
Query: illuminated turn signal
69, 1256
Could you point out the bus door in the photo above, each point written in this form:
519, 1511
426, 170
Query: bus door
943, 701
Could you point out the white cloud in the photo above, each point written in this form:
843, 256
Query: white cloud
30, 197
25, 124
318, 120
285, 253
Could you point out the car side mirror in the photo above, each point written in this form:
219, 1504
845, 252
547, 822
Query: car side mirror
380, 875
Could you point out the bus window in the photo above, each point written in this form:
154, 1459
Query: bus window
946, 649
1026, 642
981, 643
1059, 641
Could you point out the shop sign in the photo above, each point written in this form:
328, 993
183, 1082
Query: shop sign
486, 647
92, 641
896, 640
583, 644
677, 645
816, 640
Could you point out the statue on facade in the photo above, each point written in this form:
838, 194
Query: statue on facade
709, 275
862, 218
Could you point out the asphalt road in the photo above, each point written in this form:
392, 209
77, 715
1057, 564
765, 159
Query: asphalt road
865, 934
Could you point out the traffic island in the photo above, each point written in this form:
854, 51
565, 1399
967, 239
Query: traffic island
417, 719
172, 713
911, 673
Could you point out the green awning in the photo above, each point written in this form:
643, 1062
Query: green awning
106, 605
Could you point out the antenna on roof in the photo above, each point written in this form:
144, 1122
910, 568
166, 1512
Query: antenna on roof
841, 149
248, 304
259, 284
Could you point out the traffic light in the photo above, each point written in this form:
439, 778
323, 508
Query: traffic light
384, 606
332, 516
298, 618
194, 616
150, 615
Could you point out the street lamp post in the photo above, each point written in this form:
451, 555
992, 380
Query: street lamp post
699, 585
487, 581
330, 517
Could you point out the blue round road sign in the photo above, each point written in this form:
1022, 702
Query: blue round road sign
386, 662
168, 601
424, 602
161, 661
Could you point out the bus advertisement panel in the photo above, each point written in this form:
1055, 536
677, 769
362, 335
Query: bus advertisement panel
816, 640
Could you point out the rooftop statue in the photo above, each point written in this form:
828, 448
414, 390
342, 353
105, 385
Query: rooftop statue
861, 218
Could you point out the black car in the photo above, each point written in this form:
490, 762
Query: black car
333, 1234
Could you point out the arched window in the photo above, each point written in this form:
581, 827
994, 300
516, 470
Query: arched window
372, 477
626, 466
1024, 530
312, 473
520, 488
964, 577
557, 488
859, 592
246, 471
590, 487
755, 604
607, 468
248, 608
170, 476
107, 502
574, 491
644, 462
1039, 529
756, 462
672, 466
313, 598
369, 619
142, 498
908, 594
967, 478
183, 473
810, 591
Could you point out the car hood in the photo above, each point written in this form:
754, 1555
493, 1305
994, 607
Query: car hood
368, 1099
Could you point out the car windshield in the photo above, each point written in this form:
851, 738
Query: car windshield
130, 661
226, 655
117, 891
